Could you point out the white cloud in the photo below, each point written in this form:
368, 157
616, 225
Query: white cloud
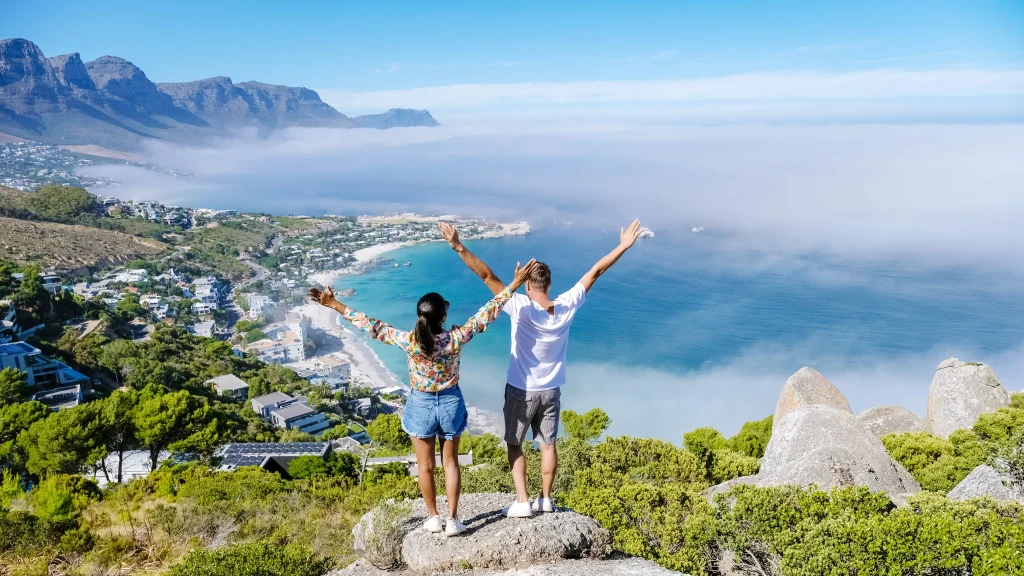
852, 89
643, 401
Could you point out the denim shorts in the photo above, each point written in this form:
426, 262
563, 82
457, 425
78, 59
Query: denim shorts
435, 414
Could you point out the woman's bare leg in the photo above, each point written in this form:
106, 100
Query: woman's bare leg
452, 474
425, 464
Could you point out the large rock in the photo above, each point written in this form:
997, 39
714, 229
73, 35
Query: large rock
960, 392
807, 388
828, 447
986, 481
610, 567
883, 420
493, 542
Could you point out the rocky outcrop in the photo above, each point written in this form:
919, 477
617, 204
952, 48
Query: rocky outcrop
607, 567
396, 118
807, 388
883, 420
960, 392
987, 481
817, 441
560, 543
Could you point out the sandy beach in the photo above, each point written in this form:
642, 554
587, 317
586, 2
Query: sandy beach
363, 255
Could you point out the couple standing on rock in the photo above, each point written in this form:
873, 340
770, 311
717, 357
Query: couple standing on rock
436, 408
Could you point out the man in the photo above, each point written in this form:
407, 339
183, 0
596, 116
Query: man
536, 371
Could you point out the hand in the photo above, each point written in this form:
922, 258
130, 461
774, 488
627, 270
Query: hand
628, 236
450, 234
523, 273
323, 297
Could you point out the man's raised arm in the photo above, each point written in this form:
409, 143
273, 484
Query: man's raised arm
627, 238
451, 235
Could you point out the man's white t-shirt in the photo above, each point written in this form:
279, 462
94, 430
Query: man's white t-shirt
539, 339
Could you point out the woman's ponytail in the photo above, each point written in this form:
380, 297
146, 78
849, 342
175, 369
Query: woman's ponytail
431, 312
424, 337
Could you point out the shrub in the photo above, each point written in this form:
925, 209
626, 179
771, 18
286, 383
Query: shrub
61, 497
753, 437
728, 464
255, 559
307, 466
383, 538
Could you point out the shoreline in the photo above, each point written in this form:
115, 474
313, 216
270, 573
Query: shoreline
362, 256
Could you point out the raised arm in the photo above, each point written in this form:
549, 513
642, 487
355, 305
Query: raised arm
627, 238
378, 330
451, 235
490, 311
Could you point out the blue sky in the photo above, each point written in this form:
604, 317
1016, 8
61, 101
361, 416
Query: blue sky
388, 45
647, 62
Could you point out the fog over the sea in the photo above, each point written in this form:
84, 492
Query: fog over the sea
934, 195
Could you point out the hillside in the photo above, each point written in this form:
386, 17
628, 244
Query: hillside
67, 246
110, 102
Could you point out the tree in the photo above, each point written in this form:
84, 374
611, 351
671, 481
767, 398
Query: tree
484, 447
13, 387
308, 466
7, 271
176, 421
119, 434
61, 203
587, 427
31, 295
386, 430
15, 419
66, 442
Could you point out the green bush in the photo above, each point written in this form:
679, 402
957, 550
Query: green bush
728, 464
63, 497
753, 437
255, 559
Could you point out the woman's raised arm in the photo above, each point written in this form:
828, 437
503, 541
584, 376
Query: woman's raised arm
378, 330
492, 309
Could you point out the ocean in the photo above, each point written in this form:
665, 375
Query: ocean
684, 333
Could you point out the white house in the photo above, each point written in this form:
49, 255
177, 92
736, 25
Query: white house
203, 329
42, 371
231, 386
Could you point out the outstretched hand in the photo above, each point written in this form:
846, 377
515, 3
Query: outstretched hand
323, 297
523, 273
628, 236
450, 234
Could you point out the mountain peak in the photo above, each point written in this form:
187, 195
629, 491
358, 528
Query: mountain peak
397, 118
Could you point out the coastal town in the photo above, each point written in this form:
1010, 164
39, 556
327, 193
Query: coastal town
259, 309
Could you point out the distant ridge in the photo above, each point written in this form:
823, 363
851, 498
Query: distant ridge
110, 102
396, 118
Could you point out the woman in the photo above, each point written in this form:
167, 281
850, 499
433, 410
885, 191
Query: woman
436, 408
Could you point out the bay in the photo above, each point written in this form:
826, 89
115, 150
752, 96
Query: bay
683, 333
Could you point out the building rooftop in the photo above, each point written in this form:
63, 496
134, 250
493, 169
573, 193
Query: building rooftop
227, 382
272, 398
17, 348
294, 411
256, 453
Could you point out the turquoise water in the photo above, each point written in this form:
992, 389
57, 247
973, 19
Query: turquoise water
681, 334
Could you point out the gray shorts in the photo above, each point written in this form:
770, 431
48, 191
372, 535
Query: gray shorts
539, 410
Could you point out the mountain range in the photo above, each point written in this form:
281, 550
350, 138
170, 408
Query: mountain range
109, 102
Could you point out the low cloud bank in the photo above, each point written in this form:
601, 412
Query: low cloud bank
657, 403
940, 195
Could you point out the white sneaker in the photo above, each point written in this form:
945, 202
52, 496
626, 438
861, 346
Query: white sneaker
518, 510
543, 505
433, 525
454, 527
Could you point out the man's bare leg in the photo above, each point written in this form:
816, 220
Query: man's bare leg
548, 467
517, 462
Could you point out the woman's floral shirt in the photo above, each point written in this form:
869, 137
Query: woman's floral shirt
441, 371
